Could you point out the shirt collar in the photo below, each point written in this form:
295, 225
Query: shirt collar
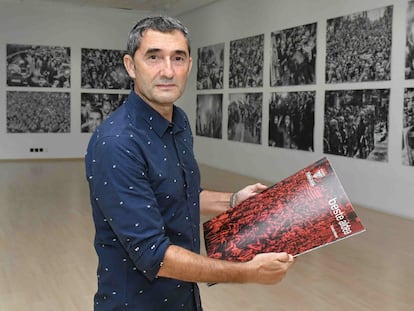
142, 111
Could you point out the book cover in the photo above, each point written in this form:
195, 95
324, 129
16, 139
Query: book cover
304, 211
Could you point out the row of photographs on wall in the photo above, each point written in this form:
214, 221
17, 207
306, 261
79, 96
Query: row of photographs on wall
358, 49
49, 66
355, 121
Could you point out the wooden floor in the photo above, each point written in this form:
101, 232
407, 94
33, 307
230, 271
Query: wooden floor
47, 260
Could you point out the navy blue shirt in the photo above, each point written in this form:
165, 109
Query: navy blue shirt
144, 187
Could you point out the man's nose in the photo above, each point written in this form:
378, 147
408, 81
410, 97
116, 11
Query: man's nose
167, 69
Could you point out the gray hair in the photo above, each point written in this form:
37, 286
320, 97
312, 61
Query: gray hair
158, 23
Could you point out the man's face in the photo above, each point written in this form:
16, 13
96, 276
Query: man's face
160, 67
94, 120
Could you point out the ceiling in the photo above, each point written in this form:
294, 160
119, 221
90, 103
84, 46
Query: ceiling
170, 7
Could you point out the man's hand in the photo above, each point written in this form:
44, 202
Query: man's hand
269, 268
247, 192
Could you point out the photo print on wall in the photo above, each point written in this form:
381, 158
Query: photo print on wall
408, 128
96, 107
292, 120
358, 47
38, 112
103, 69
38, 66
293, 56
209, 117
246, 62
409, 51
356, 124
245, 117
210, 67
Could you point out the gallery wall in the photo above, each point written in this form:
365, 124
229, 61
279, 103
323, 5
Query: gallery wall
49, 27
380, 180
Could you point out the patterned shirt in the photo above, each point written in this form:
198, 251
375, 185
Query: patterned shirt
144, 187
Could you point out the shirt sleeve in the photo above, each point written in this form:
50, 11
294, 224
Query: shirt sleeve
123, 194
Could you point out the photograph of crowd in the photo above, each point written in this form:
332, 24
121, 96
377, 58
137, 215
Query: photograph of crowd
409, 49
245, 117
210, 67
292, 120
356, 124
96, 107
246, 62
358, 47
293, 56
38, 112
408, 128
209, 115
103, 69
38, 66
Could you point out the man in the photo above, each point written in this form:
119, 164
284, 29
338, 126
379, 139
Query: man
95, 118
145, 188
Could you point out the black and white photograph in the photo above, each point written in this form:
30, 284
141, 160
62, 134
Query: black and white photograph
245, 117
246, 62
292, 120
409, 49
38, 112
293, 56
38, 66
408, 128
96, 107
209, 115
356, 124
358, 47
210, 67
103, 69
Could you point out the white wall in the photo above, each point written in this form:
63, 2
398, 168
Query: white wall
57, 25
378, 185
386, 186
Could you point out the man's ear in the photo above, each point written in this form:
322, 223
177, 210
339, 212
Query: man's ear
129, 65
190, 66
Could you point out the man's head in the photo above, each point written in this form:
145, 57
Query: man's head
94, 119
159, 61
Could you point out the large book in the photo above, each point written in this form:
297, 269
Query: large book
303, 212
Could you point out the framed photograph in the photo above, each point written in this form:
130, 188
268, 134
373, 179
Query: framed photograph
246, 62
209, 115
356, 124
38, 112
358, 47
292, 120
293, 56
245, 117
407, 154
210, 67
409, 49
103, 69
38, 66
96, 107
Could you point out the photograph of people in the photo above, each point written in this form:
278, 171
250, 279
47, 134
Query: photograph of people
358, 47
408, 128
103, 69
145, 188
291, 120
356, 124
246, 62
38, 112
209, 115
210, 67
293, 56
96, 107
38, 66
245, 117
